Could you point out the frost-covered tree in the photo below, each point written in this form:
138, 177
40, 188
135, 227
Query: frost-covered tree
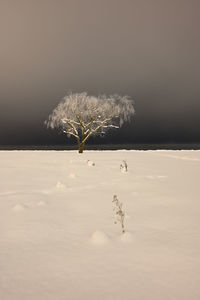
81, 116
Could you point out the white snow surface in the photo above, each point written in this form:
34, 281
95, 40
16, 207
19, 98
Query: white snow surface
58, 240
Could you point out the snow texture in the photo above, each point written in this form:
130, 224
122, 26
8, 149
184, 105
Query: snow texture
57, 235
99, 237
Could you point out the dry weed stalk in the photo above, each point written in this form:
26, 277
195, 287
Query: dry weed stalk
119, 213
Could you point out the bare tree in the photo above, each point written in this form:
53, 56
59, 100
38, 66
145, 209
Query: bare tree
82, 116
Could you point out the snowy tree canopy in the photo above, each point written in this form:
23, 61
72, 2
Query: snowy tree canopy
82, 116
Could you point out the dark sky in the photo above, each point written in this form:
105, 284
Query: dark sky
148, 49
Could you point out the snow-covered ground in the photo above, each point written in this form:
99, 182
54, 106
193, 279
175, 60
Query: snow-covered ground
58, 240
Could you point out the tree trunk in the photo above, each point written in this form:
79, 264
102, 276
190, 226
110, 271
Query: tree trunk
81, 144
81, 147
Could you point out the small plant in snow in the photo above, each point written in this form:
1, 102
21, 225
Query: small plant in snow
119, 213
124, 166
90, 163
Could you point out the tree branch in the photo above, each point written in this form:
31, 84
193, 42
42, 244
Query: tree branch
97, 128
80, 122
71, 124
71, 133
69, 120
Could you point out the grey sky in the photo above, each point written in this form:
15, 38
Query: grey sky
148, 49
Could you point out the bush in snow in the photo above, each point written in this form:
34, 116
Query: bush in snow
81, 116
119, 213
124, 166
90, 163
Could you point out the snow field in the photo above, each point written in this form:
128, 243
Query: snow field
58, 239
